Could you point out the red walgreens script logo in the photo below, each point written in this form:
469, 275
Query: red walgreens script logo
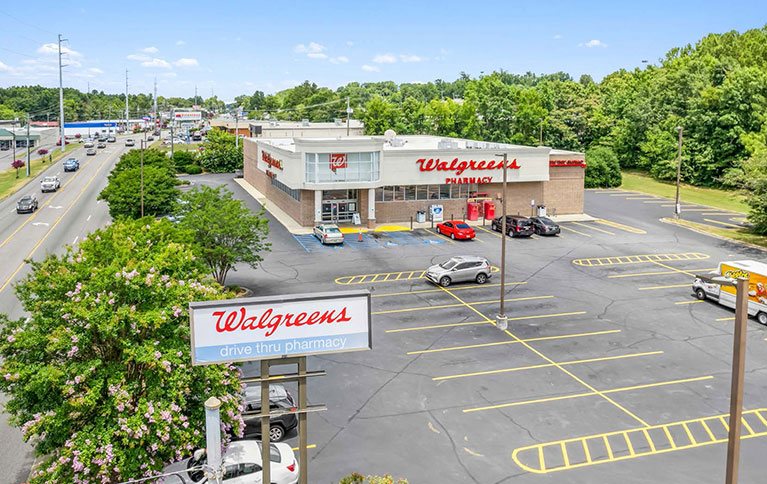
459, 167
270, 321
337, 160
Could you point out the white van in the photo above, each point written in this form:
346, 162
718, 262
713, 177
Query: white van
756, 272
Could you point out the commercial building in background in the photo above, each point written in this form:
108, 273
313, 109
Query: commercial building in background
376, 179
288, 129
101, 126
37, 137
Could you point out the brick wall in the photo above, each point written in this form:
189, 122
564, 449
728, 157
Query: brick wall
519, 193
402, 211
564, 190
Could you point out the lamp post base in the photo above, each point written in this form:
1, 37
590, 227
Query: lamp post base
502, 322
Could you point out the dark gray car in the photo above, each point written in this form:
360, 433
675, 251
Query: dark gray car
27, 204
280, 399
460, 269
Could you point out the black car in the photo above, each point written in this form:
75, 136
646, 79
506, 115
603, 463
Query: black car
544, 226
279, 399
101, 145
516, 226
27, 204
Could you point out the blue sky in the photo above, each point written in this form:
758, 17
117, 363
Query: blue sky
235, 47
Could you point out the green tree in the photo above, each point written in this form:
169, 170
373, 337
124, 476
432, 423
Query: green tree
219, 153
226, 230
98, 377
380, 114
123, 192
602, 168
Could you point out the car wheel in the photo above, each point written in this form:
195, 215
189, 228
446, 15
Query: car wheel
700, 293
452, 236
445, 281
762, 318
276, 433
481, 278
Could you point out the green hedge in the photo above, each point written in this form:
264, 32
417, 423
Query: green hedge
602, 168
192, 169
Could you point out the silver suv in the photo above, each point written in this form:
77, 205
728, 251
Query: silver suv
460, 269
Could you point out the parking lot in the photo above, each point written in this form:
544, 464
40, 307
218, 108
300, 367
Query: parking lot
610, 369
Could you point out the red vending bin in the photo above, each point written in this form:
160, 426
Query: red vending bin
489, 209
472, 211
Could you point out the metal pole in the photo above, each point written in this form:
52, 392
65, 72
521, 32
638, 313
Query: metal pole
127, 115
736, 392
171, 142
501, 320
213, 438
28, 154
677, 208
348, 114
265, 461
236, 132
14, 143
303, 467
61, 101
142, 178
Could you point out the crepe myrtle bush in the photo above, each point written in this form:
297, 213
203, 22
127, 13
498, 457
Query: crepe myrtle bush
98, 377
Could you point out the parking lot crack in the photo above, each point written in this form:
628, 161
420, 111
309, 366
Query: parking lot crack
456, 452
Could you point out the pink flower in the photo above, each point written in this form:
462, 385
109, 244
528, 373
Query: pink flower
11, 338
72, 352
74, 338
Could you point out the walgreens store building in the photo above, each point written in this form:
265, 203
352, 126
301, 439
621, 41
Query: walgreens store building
388, 180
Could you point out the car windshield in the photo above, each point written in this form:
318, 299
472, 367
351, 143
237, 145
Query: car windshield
462, 226
449, 264
25, 199
49, 179
332, 230
523, 222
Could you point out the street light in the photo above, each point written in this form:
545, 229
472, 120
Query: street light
738, 365
677, 207
501, 321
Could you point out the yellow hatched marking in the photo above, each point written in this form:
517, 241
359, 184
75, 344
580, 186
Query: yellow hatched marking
388, 277
594, 228
723, 223
724, 422
620, 226
638, 259
689, 434
530, 458
675, 271
761, 418
748, 427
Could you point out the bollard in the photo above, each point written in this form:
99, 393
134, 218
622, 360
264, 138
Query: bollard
411, 222
360, 239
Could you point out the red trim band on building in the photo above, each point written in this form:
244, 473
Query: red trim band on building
567, 163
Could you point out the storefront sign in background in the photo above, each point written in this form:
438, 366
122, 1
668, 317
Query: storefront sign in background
337, 161
567, 163
270, 160
271, 327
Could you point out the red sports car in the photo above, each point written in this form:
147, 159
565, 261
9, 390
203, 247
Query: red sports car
456, 229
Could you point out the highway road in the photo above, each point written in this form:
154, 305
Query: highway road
63, 218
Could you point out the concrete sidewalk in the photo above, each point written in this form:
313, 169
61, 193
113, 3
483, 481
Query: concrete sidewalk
294, 228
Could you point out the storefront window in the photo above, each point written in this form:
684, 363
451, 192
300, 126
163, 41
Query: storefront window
347, 167
455, 191
410, 192
421, 192
425, 192
444, 191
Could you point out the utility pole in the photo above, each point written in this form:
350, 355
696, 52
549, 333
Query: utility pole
126, 101
502, 321
61, 100
154, 118
738, 367
142, 176
15, 120
236, 130
348, 114
540, 137
677, 207
28, 154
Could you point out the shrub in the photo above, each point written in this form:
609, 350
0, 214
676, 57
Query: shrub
42, 152
602, 168
192, 169
181, 158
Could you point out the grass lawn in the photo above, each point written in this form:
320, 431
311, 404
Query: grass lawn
9, 184
712, 197
741, 235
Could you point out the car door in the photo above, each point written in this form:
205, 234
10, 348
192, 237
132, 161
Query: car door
462, 272
318, 232
447, 228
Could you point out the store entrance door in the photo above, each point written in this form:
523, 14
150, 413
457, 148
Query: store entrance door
338, 205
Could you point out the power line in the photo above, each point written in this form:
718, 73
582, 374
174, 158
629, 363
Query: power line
26, 23
18, 53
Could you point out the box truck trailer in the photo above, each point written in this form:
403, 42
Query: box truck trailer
755, 272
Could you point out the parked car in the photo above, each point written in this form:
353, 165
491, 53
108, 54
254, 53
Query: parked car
130, 142
101, 145
544, 226
26, 204
242, 465
111, 139
456, 229
279, 399
73, 164
91, 151
50, 184
460, 269
328, 234
516, 226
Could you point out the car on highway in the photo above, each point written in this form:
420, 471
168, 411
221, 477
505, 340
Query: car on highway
91, 151
241, 462
456, 229
280, 399
26, 204
328, 234
58, 143
130, 142
88, 143
544, 226
461, 268
72, 164
50, 184
516, 226
111, 139
150, 138
101, 144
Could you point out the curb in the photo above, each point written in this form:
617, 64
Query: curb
716, 236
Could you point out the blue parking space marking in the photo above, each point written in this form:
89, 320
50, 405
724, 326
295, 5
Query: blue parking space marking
408, 238
380, 240
311, 244
368, 242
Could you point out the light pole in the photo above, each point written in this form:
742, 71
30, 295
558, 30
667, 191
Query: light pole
677, 207
501, 321
142, 178
738, 367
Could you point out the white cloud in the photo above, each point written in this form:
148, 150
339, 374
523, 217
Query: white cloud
138, 57
169, 74
54, 49
180, 42
5, 68
339, 60
95, 70
593, 43
317, 55
410, 58
349, 43
313, 47
384, 59
368, 68
558, 36
150, 50
156, 63
186, 62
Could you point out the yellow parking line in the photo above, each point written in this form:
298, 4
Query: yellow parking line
489, 231
587, 394
720, 213
663, 287
675, 271
641, 198
682, 271
404, 310
621, 226
659, 201
440, 236
593, 228
726, 319
518, 318
573, 230
723, 223
546, 365
542, 338
690, 302
692, 209
308, 447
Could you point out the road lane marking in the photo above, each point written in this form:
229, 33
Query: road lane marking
431, 427
664, 287
75, 241
404, 310
731, 318
518, 318
673, 268
56, 207
546, 365
59, 219
311, 446
489, 231
471, 452
37, 224
511, 342
440, 236
89, 218
588, 394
